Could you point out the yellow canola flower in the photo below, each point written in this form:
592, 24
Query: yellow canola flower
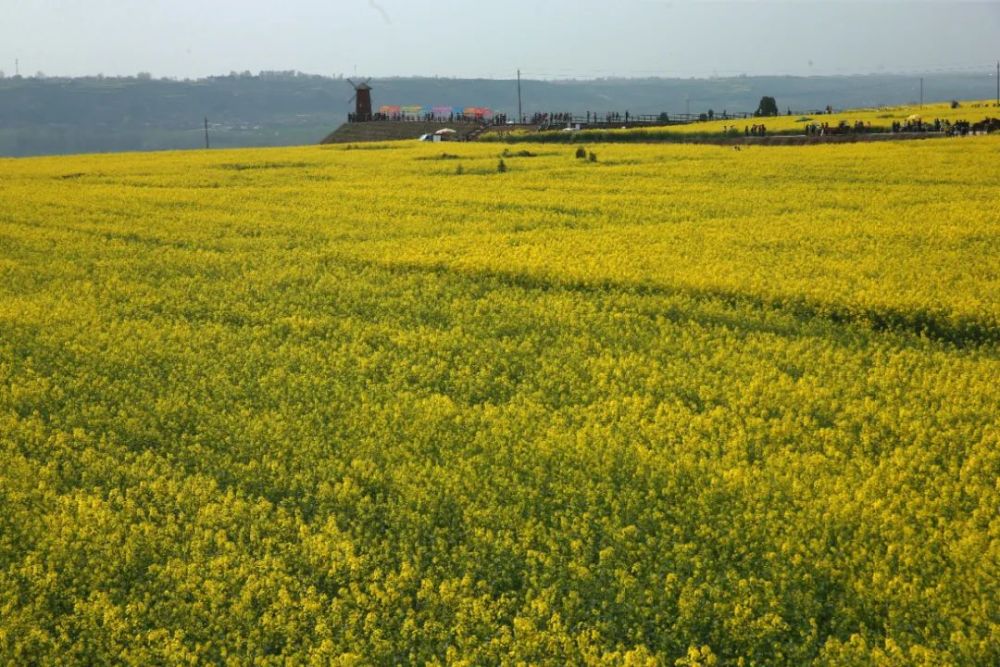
352, 405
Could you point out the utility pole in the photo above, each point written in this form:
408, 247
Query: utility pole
17, 67
921, 92
207, 144
998, 83
520, 114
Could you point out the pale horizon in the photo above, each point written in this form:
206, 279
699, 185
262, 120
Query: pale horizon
556, 40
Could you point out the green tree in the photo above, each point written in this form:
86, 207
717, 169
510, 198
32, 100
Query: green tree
767, 107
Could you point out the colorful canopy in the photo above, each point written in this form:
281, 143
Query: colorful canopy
437, 111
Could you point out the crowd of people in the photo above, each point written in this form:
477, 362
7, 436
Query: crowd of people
910, 125
957, 128
549, 118
843, 127
590, 117
963, 127
918, 125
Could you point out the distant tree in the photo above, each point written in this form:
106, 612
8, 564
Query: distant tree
502, 167
767, 107
711, 114
144, 76
581, 153
954, 103
664, 117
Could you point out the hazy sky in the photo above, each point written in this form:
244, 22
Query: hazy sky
492, 38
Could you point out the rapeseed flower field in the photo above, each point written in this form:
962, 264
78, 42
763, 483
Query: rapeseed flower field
878, 119
381, 404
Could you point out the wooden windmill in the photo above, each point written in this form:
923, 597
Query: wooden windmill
363, 100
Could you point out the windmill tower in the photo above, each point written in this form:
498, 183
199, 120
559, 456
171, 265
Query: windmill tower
363, 101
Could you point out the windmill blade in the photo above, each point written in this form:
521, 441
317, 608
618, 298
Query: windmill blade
352, 99
352, 83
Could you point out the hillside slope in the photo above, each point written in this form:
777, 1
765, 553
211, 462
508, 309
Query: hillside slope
391, 130
57, 115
